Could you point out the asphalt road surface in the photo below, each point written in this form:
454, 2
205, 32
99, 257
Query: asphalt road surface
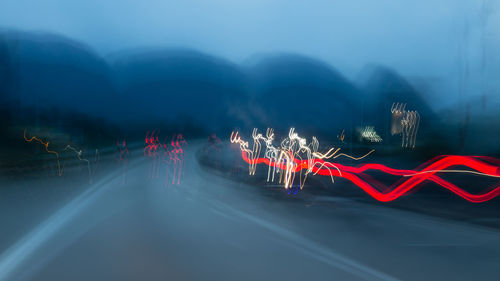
212, 228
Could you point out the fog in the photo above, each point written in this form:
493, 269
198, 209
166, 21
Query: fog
132, 132
436, 42
202, 66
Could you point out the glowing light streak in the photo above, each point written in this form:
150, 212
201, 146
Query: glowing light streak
57, 154
405, 123
235, 138
328, 156
271, 152
368, 134
46, 145
292, 148
151, 149
79, 156
169, 153
341, 137
414, 178
453, 171
177, 155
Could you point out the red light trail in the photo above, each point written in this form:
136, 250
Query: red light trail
169, 153
411, 179
176, 154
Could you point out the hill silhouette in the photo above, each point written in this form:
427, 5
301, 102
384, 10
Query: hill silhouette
184, 88
47, 70
178, 84
299, 91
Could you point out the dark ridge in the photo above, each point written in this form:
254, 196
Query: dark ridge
303, 92
176, 83
50, 70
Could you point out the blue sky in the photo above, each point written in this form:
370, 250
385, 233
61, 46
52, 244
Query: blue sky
417, 38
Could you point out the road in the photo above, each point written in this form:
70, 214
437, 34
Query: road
213, 228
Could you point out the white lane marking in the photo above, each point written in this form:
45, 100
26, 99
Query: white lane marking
13, 258
306, 246
315, 250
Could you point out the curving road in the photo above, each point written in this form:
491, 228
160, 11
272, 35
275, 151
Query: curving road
212, 228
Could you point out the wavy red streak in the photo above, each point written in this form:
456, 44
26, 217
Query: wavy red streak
434, 165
